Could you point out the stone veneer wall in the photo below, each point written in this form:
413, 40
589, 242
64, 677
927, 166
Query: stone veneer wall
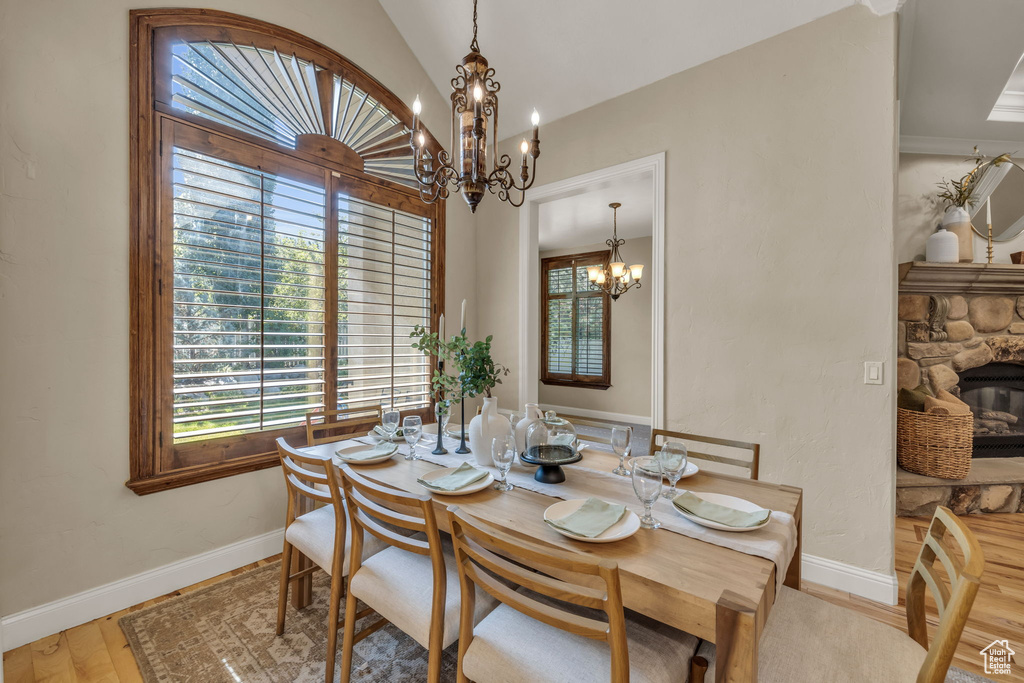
940, 336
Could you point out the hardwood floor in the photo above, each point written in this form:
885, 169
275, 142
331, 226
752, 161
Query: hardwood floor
98, 652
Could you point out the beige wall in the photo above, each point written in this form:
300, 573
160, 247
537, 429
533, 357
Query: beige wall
67, 523
918, 211
630, 393
779, 251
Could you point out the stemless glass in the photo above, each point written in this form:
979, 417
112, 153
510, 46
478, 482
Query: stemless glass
503, 452
412, 430
389, 421
647, 486
622, 440
673, 456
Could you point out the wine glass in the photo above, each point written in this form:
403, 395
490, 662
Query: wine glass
673, 457
503, 452
389, 421
622, 440
647, 476
412, 430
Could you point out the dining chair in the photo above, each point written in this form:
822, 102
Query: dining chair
327, 422
601, 438
319, 534
572, 627
746, 455
412, 584
808, 639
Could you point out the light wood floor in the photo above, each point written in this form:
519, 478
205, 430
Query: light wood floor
97, 651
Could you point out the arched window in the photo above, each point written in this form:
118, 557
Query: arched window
280, 252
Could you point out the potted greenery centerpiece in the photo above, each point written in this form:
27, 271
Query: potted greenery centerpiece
476, 374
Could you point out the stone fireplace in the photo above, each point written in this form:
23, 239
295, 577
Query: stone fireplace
961, 329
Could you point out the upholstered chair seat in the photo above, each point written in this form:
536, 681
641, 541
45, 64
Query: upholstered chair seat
313, 535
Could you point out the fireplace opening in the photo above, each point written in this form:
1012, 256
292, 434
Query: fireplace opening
995, 393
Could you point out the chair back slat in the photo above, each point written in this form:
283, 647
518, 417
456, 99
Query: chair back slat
748, 457
593, 424
550, 615
535, 581
325, 426
954, 602
368, 507
302, 479
490, 559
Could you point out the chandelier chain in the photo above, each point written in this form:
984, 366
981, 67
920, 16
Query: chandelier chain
474, 47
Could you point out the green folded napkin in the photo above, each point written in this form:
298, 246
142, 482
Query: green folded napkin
369, 453
591, 519
465, 475
562, 440
383, 433
698, 507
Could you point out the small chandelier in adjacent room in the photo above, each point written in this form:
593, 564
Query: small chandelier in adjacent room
474, 116
616, 279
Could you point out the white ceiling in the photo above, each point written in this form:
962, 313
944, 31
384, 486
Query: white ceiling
955, 59
584, 219
562, 57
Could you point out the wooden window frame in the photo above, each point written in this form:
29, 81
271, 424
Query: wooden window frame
575, 380
156, 463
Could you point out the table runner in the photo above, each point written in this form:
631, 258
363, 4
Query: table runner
775, 542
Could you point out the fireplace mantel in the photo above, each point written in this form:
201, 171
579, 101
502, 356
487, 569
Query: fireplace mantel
921, 277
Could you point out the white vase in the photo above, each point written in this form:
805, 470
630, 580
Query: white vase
942, 247
957, 221
531, 414
483, 428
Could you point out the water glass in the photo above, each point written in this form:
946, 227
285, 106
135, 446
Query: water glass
622, 442
673, 457
647, 476
389, 422
412, 430
503, 453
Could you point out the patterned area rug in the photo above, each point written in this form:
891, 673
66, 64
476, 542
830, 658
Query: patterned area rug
225, 632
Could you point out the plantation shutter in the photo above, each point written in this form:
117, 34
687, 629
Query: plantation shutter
576, 313
384, 291
248, 299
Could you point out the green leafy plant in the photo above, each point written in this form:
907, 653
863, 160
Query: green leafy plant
476, 371
961, 192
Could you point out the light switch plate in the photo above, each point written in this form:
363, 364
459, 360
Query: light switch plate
873, 372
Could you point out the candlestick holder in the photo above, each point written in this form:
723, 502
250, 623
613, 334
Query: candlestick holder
463, 449
439, 414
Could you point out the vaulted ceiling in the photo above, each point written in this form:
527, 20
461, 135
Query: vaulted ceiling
562, 56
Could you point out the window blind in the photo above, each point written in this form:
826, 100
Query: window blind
248, 322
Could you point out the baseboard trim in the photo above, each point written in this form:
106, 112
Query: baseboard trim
875, 586
599, 414
30, 625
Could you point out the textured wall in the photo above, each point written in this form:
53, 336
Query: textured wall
67, 523
779, 251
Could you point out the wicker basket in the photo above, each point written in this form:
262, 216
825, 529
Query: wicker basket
934, 445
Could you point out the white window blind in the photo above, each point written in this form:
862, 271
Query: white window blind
248, 298
384, 290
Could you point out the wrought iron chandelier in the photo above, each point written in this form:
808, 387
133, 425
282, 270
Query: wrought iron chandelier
474, 107
616, 279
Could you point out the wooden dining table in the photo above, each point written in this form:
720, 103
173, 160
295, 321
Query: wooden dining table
715, 593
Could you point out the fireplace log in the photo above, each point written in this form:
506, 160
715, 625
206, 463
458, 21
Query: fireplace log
1008, 418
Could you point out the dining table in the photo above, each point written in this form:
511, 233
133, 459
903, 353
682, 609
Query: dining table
715, 593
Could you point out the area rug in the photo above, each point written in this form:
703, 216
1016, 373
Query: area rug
226, 632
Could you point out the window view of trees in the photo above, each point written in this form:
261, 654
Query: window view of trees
576, 326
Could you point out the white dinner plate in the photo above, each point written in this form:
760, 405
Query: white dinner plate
361, 447
395, 439
454, 431
478, 485
628, 525
691, 469
728, 501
